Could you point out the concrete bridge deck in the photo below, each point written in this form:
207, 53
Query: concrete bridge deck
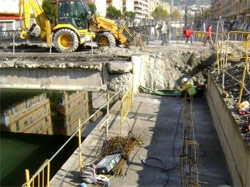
154, 118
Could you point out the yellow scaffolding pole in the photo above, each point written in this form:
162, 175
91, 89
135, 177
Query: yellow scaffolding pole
80, 146
244, 72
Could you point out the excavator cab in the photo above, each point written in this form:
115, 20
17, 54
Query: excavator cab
73, 12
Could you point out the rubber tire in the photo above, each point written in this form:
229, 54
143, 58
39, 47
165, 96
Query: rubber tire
110, 38
72, 34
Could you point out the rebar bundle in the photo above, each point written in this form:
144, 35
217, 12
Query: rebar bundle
190, 152
122, 145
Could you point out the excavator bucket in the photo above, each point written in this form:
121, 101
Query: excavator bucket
138, 41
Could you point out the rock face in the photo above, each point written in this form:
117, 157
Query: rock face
162, 71
165, 70
120, 82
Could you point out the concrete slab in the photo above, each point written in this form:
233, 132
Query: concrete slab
155, 118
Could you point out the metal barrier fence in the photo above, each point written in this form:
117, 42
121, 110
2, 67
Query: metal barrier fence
246, 67
200, 36
126, 105
239, 43
236, 45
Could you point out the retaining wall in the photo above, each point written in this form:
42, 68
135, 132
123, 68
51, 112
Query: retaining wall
235, 149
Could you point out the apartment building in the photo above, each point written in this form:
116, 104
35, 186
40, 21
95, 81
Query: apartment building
32, 115
231, 10
72, 107
118, 4
128, 5
152, 4
101, 6
141, 9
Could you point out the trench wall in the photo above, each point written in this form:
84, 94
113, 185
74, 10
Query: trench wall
235, 149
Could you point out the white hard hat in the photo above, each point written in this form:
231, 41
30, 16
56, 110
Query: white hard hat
184, 80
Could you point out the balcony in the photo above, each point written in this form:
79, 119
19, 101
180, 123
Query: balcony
143, 2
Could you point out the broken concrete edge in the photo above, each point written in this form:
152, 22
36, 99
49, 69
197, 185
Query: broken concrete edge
53, 87
57, 57
236, 151
74, 158
119, 67
97, 66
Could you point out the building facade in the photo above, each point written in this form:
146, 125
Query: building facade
141, 9
128, 5
231, 10
73, 106
30, 116
152, 4
101, 6
118, 4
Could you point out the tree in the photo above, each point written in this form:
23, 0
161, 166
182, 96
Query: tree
190, 18
92, 8
130, 15
160, 14
113, 13
176, 15
49, 10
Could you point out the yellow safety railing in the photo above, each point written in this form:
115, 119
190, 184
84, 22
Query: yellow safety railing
244, 69
237, 45
41, 177
238, 42
200, 36
126, 105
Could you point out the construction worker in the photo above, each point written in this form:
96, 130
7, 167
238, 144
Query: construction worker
208, 35
188, 87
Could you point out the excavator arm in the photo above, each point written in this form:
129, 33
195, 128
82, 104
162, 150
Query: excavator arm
42, 26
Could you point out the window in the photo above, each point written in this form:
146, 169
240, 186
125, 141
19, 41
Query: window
17, 126
26, 123
45, 108
27, 104
31, 120
13, 110
73, 12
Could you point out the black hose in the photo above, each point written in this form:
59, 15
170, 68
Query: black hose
162, 165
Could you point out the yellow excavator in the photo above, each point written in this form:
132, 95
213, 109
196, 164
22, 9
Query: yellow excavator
73, 26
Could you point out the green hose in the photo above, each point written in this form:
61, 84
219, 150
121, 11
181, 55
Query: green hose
173, 93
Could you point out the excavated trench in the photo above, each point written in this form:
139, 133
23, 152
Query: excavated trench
119, 67
165, 71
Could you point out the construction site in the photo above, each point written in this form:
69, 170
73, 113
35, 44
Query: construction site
175, 113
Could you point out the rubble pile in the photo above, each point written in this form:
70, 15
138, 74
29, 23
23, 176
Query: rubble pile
231, 96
